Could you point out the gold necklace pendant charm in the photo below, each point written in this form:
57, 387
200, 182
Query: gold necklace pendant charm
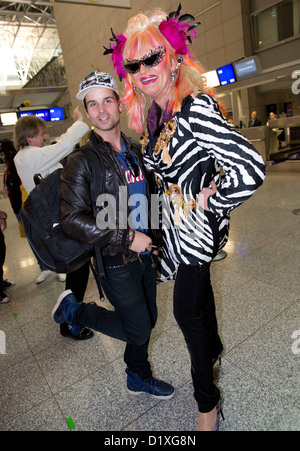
165, 137
158, 181
177, 200
176, 197
166, 156
144, 142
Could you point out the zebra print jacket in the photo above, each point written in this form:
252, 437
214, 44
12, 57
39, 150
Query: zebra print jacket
203, 143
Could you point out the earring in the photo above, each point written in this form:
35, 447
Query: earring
179, 61
135, 90
175, 72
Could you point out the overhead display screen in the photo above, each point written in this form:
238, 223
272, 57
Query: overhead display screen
52, 114
226, 75
8, 118
56, 114
211, 79
43, 114
25, 113
246, 68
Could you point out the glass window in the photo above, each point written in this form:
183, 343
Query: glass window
265, 27
275, 24
297, 17
285, 20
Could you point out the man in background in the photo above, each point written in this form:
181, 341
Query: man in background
34, 157
254, 122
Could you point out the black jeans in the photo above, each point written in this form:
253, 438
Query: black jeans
194, 310
131, 289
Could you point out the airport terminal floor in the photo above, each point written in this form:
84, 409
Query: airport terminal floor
46, 379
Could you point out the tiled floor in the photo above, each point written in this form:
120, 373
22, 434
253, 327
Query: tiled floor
45, 378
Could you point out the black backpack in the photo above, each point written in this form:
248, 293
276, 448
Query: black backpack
40, 218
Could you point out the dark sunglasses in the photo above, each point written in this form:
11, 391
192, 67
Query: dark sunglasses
132, 166
151, 59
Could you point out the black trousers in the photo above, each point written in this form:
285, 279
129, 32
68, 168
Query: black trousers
77, 281
131, 289
2, 257
194, 310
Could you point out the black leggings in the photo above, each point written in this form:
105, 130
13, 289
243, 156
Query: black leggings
194, 310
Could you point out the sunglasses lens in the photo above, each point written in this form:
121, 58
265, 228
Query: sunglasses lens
132, 68
152, 60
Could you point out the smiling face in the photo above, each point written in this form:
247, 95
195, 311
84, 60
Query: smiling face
39, 139
103, 110
155, 81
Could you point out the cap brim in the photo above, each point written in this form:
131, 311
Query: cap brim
81, 94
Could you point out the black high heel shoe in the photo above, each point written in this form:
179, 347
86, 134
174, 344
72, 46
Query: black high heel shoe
218, 359
219, 412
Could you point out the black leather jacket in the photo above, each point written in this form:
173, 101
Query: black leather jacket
76, 209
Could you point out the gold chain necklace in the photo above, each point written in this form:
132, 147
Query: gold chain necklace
162, 142
174, 193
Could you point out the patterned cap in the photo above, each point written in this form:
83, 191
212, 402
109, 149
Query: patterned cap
96, 80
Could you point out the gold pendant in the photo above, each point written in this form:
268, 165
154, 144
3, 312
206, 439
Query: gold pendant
166, 156
177, 218
177, 200
162, 143
144, 142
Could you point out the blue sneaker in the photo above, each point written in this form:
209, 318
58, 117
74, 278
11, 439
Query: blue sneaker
156, 388
64, 309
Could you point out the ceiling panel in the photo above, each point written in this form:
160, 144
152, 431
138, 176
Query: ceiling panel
28, 39
37, 96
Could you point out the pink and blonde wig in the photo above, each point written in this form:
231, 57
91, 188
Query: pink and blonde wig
144, 31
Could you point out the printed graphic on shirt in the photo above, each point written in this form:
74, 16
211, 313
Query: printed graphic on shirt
130, 178
137, 189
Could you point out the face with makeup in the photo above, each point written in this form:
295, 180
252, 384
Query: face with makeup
154, 81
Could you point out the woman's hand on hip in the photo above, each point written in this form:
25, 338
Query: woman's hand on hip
205, 194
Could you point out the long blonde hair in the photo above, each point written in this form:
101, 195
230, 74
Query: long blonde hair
143, 31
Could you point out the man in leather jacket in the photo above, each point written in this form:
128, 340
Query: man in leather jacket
127, 250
